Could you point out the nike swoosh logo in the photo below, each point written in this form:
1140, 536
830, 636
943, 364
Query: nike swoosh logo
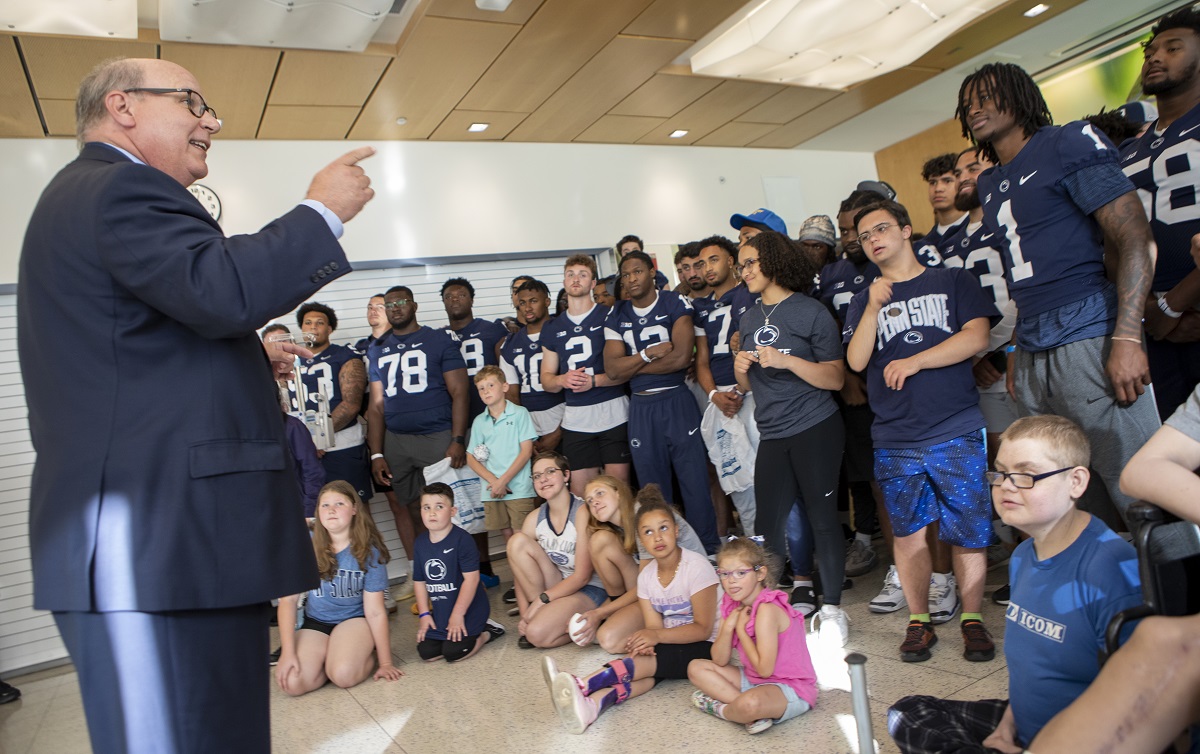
694, 431
597, 327
661, 317
1027, 177
984, 238
448, 551
1093, 400
1184, 133
827, 494
416, 345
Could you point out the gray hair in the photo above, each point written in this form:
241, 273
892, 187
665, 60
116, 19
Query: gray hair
113, 74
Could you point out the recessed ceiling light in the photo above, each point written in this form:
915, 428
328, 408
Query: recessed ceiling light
477, 127
1037, 10
678, 134
401, 121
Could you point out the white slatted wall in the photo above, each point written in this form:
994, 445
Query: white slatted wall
29, 638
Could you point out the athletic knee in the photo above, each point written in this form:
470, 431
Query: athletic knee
344, 676
518, 543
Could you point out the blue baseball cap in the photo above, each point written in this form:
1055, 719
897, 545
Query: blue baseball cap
763, 217
1139, 111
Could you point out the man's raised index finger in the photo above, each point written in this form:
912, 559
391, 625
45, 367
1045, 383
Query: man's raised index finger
354, 155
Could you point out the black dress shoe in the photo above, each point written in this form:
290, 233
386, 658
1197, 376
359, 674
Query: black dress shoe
9, 693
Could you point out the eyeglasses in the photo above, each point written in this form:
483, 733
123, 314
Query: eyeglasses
738, 575
1020, 481
749, 263
393, 305
878, 230
195, 102
538, 476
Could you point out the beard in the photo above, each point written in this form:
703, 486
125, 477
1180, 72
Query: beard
967, 202
855, 253
1167, 85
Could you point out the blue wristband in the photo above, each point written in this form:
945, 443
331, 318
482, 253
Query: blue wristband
422, 615
1010, 349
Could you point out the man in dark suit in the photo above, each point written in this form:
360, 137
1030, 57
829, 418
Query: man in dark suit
164, 510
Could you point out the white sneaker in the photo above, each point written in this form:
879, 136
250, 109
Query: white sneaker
388, 603
943, 597
831, 625
892, 597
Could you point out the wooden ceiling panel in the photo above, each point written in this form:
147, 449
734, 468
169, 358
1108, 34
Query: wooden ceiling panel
737, 134
844, 107
518, 13
454, 127
682, 19
19, 116
987, 32
438, 64
58, 64
328, 79
619, 129
788, 105
59, 115
236, 81
291, 122
664, 95
557, 41
723, 104
623, 65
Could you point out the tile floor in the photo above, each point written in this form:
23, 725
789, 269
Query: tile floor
497, 701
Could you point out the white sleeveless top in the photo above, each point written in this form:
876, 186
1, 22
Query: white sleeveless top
560, 545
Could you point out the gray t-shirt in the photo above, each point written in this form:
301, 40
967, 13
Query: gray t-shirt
1186, 418
784, 404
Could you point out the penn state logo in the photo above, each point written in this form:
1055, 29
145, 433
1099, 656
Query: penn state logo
912, 337
635, 443
1004, 185
435, 570
641, 320
309, 361
963, 243
766, 335
1156, 143
559, 558
858, 279
578, 328
401, 346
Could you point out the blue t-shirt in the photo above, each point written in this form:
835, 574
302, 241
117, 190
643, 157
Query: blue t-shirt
1163, 167
638, 330
840, 280
502, 437
412, 369
581, 344
936, 404
1053, 249
477, 343
1055, 623
320, 374
342, 598
717, 320
521, 360
441, 566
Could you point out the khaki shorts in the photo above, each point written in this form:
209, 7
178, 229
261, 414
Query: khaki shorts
507, 514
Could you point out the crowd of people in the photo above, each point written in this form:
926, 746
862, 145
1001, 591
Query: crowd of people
661, 461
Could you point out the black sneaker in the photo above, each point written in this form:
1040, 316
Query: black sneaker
510, 597
1001, 596
275, 656
524, 643
918, 638
804, 600
495, 629
9, 693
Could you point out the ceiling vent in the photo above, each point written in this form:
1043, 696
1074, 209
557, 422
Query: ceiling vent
343, 25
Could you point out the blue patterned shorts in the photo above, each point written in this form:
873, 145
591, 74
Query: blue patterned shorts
942, 482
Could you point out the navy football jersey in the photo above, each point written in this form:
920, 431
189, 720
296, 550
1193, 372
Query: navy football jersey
581, 345
718, 320
1165, 169
477, 342
320, 374
842, 279
640, 331
935, 405
972, 249
521, 360
412, 369
1053, 251
928, 249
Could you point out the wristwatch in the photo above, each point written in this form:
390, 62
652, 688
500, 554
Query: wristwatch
545, 598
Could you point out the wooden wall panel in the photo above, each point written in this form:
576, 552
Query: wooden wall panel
900, 165
235, 80
19, 116
328, 79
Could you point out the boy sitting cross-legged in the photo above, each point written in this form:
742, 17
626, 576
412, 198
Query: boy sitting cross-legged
1068, 580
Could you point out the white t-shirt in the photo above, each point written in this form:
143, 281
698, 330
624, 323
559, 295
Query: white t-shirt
674, 601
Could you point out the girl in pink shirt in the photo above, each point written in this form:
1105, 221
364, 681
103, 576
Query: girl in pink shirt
776, 681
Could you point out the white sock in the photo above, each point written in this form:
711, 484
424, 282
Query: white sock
863, 537
797, 581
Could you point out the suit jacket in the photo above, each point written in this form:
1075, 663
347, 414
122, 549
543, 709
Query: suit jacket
163, 478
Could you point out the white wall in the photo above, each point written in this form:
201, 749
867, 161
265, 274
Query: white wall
450, 199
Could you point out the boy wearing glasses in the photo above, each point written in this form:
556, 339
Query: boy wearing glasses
914, 331
1068, 580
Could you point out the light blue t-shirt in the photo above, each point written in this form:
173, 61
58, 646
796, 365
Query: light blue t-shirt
502, 437
341, 598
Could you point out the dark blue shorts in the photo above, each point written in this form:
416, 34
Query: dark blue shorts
942, 482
